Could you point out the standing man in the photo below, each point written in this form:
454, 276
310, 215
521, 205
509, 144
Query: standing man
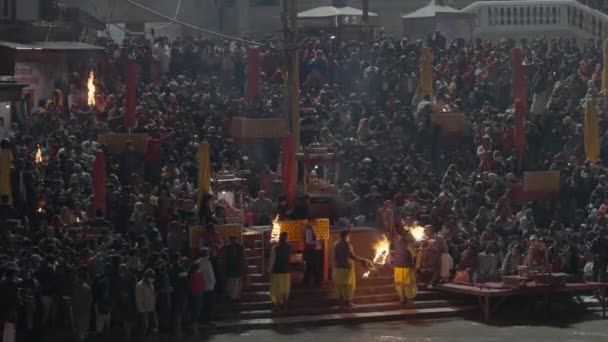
124, 297
236, 265
404, 262
599, 248
82, 301
344, 269
145, 300
280, 278
9, 302
312, 256
207, 269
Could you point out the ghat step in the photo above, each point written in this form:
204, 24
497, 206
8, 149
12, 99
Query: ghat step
261, 300
303, 311
341, 318
260, 283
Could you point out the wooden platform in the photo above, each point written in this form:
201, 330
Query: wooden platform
486, 292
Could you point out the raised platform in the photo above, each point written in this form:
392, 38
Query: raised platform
375, 298
487, 292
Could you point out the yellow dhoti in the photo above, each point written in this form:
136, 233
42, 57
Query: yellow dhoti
346, 283
280, 286
405, 283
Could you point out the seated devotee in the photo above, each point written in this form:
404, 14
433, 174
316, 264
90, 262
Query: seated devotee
429, 266
262, 209
487, 266
512, 260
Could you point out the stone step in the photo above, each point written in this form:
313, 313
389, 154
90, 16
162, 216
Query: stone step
328, 289
260, 300
253, 268
258, 278
340, 318
255, 251
384, 306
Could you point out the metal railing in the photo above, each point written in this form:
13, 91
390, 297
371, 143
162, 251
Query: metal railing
539, 14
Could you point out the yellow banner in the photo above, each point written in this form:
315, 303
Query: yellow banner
295, 229
547, 181
426, 73
592, 132
449, 122
245, 128
605, 70
115, 143
224, 231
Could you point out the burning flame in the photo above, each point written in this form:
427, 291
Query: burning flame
40, 209
382, 250
418, 233
91, 87
276, 230
38, 156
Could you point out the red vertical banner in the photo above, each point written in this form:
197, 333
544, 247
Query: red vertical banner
519, 130
131, 94
518, 80
289, 168
253, 74
99, 182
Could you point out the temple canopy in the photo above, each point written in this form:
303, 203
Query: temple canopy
436, 16
331, 11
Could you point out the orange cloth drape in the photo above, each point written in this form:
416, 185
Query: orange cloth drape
518, 79
289, 168
131, 94
253, 74
204, 171
6, 160
519, 129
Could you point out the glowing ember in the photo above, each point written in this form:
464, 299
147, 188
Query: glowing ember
91, 88
382, 250
38, 156
276, 230
418, 233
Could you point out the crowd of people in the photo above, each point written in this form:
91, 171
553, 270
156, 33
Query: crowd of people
363, 103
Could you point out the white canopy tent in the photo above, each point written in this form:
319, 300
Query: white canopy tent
436, 16
334, 16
